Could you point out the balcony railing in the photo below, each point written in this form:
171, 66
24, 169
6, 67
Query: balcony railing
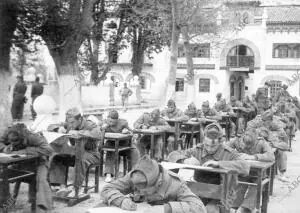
240, 61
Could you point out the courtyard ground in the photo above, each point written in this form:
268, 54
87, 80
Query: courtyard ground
285, 198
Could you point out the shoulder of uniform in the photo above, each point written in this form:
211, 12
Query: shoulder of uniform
174, 175
229, 149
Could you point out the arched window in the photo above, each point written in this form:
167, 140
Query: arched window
240, 56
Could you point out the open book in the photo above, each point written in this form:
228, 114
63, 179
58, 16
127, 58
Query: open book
52, 136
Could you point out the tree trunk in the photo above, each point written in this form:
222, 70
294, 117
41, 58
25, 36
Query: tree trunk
174, 51
190, 66
8, 22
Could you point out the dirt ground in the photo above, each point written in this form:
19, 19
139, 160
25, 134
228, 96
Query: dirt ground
285, 198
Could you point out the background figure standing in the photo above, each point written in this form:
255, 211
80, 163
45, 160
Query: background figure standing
125, 92
112, 91
37, 89
19, 99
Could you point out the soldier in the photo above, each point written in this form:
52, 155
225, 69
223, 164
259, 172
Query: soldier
172, 112
261, 98
282, 95
75, 124
151, 183
114, 124
18, 99
214, 154
18, 140
280, 143
251, 148
192, 112
125, 93
151, 121
37, 89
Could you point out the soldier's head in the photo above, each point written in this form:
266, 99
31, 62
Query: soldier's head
192, 107
155, 115
73, 118
145, 175
212, 138
113, 117
171, 105
205, 107
16, 135
267, 116
125, 85
37, 79
248, 140
284, 87
233, 100
219, 96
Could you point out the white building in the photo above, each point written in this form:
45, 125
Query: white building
267, 48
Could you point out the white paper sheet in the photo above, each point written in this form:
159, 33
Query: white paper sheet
141, 207
52, 136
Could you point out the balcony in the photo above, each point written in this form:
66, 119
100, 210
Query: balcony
240, 61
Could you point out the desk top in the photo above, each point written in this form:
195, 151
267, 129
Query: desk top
141, 207
260, 164
169, 166
149, 131
7, 159
110, 135
175, 120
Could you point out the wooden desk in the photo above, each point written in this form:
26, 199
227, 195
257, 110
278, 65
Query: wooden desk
152, 134
116, 137
207, 190
176, 130
10, 175
194, 127
263, 185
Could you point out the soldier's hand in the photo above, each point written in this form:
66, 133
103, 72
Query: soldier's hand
144, 127
62, 130
73, 132
211, 163
153, 128
192, 161
128, 204
155, 209
7, 149
125, 131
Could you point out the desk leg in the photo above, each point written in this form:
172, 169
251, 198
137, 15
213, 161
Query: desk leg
272, 176
227, 130
259, 191
175, 145
117, 159
79, 147
163, 146
4, 191
152, 148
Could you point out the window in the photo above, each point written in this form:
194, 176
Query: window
179, 86
240, 56
275, 87
291, 50
201, 50
204, 85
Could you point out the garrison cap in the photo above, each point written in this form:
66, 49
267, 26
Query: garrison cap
171, 102
219, 94
113, 114
73, 112
205, 103
213, 131
155, 112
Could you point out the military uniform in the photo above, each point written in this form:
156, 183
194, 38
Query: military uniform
262, 152
169, 190
193, 112
18, 100
225, 108
33, 144
117, 128
125, 93
145, 122
66, 153
37, 89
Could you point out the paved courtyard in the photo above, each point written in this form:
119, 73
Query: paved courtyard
285, 198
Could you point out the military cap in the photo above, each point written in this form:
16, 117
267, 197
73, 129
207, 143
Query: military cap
149, 168
284, 86
219, 94
171, 102
113, 114
73, 112
213, 131
267, 115
155, 112
205, 103
232, 98
192, 105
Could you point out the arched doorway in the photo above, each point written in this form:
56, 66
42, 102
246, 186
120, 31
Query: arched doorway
237, 86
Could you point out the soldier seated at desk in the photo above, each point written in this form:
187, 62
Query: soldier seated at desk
114, 124
212, 153
75, 124
172, 112
18, 140
151, 121
149, 182
280, 143
251, 147
223, 107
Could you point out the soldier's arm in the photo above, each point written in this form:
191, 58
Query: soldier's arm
3, 140
114, 193
37, 145
266, 154
179, 156
232, 143
215, 115
139, 122
186, 202
182, 116
236, 164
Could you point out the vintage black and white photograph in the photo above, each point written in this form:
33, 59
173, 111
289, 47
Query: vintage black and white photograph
149, 106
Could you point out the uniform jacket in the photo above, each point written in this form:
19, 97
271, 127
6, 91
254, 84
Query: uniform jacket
212, 113
121, 124
145, 120
19, 91
193, 113
126, 92
261, 149
171, 190
36, 90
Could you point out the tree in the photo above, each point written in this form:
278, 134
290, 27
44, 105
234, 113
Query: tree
8, 23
